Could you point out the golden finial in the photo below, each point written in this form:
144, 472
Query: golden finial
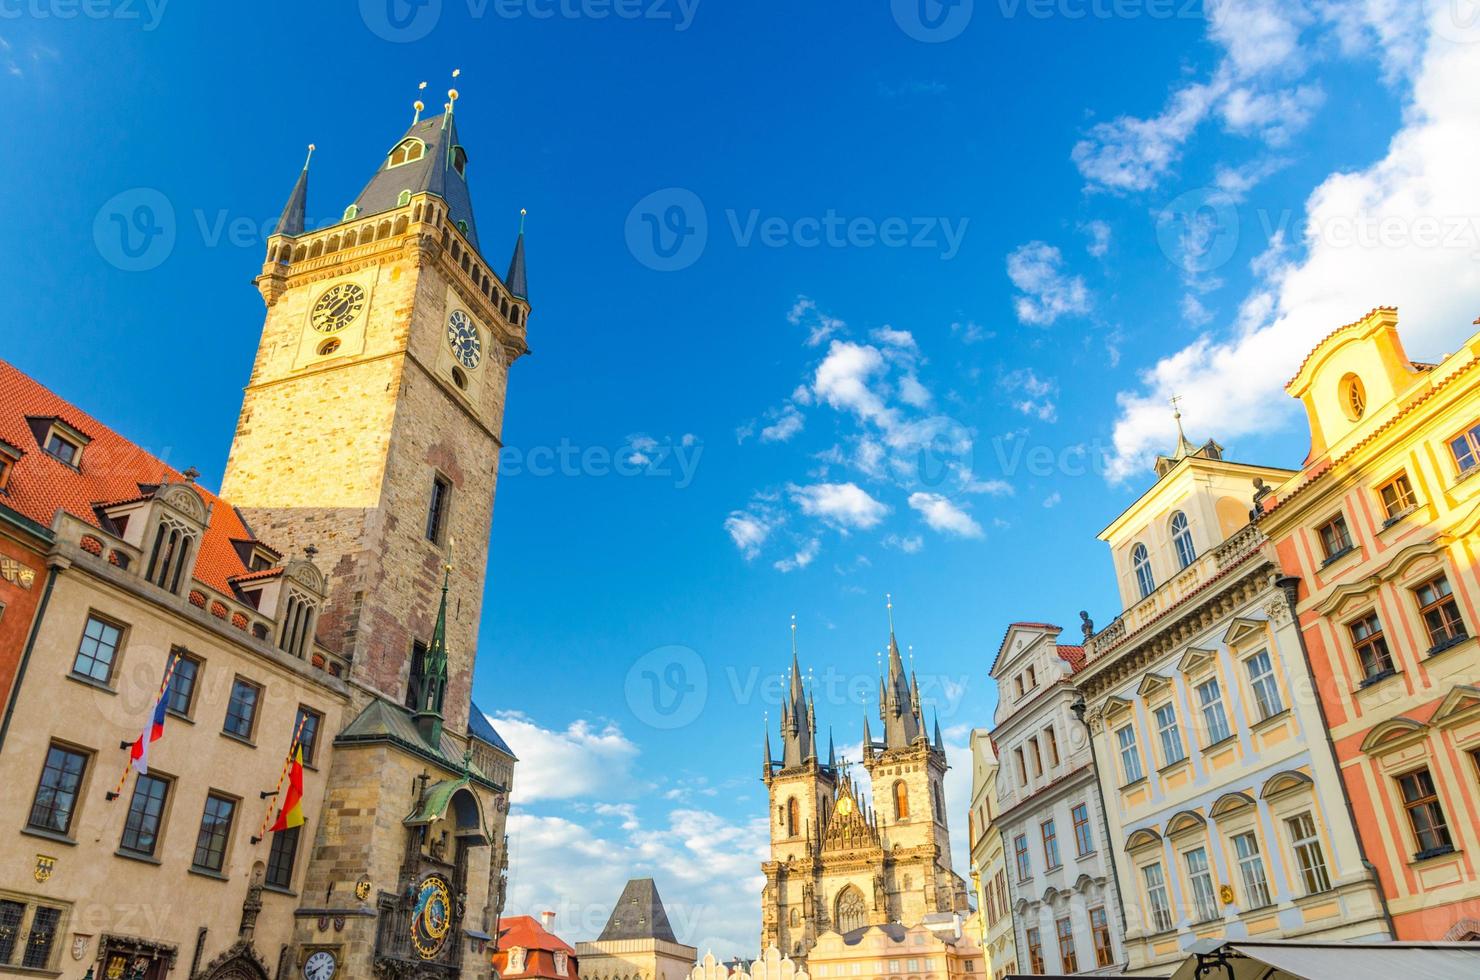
418, 105
793, 635
452, 92
451, 549
522, 213
311, 148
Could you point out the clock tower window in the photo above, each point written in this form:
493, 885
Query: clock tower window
437, 508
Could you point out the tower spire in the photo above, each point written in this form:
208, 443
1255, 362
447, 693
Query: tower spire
431, 683
517, 280
291, 221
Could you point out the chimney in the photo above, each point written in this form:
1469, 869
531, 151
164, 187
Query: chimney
547, 919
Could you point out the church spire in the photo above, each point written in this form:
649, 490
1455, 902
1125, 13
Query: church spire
291, 221
516, 280
431, 682
798, 743
766, 767
897, 709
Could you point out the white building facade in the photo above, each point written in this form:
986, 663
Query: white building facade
1066, 910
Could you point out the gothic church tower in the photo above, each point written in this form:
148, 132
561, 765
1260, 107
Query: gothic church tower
841, 861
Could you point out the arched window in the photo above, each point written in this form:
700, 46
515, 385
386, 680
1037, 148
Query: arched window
1141, 562
796, 918
1182, 539
296, 632
793, 816
405, 152
852, 912
460, 160
353, 211
170, 555
403, 199
901, 801
940, 811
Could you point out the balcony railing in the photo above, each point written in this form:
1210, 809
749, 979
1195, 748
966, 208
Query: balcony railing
1204, 569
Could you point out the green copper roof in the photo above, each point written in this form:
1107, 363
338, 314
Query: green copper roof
384, 722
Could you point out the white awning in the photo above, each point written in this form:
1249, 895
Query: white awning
1341, 961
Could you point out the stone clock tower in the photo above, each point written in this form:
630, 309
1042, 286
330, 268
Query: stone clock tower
369, 431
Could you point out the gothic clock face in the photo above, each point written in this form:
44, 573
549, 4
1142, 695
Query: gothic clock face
320, 966
462, 337
338, 307
845, 807
431, 917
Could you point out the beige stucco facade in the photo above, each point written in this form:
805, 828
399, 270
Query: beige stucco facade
993, 916
941, 950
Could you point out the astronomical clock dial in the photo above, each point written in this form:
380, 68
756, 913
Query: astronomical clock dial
320, 966
338, 307
462, 337
431, 917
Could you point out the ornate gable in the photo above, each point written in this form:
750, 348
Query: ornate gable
1460, 704
849, 829
1393, 734
1242, 629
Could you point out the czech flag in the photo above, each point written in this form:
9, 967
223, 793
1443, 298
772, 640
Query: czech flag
291, 815
138, 755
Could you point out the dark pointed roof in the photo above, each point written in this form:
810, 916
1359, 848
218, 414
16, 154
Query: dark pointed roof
516, 280
434, 172
639, 915
901, 724
432, 684
797, 744
291, 222
482, 729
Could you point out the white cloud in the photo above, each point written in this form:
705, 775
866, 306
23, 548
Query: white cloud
787, 424
912, 392
1037, 270
1053, 499
909, 544
1423, 188
803, 557
582, 760
1130, 154
1274, 116
845, 505
894, 338
1032, 395
749, 530
969, 331
820, 326
943, 515
843, 381
1194, 312
1099, 237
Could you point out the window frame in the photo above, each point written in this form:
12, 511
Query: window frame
1454, 636
1255, 890
1034, 939
1339, 542
1133, 748
1023, 861
1141, 570
1214, 708
392, 163
1099, 927
1049, 831
1182, 539
115, 652
1158, 897
312, 748
73, 459
1425, 799
1200, 884
157, 832
275, 859
1471, 437
197, 664
1405, 499
1310, 873
1167, 733
1373, 641
224, 836
226, 729
76, 793
1053, 747
1068, 955
439, 509
1270, 677
1084, 841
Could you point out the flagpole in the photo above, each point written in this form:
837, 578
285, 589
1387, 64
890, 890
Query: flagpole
148, 732
287, 764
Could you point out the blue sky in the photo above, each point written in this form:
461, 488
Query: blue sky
864, 305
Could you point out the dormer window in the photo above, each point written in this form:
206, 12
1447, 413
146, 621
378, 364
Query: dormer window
353, 211
169, 555
460, 161
406, 151
403, 199
9, 456
1353, 397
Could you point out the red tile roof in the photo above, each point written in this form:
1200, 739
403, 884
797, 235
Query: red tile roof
113, 469
526, 931
1073, 655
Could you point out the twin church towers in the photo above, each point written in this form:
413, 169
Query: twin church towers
840, 862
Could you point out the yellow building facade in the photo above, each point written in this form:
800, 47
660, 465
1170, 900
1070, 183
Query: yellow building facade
941, 949
993, 916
